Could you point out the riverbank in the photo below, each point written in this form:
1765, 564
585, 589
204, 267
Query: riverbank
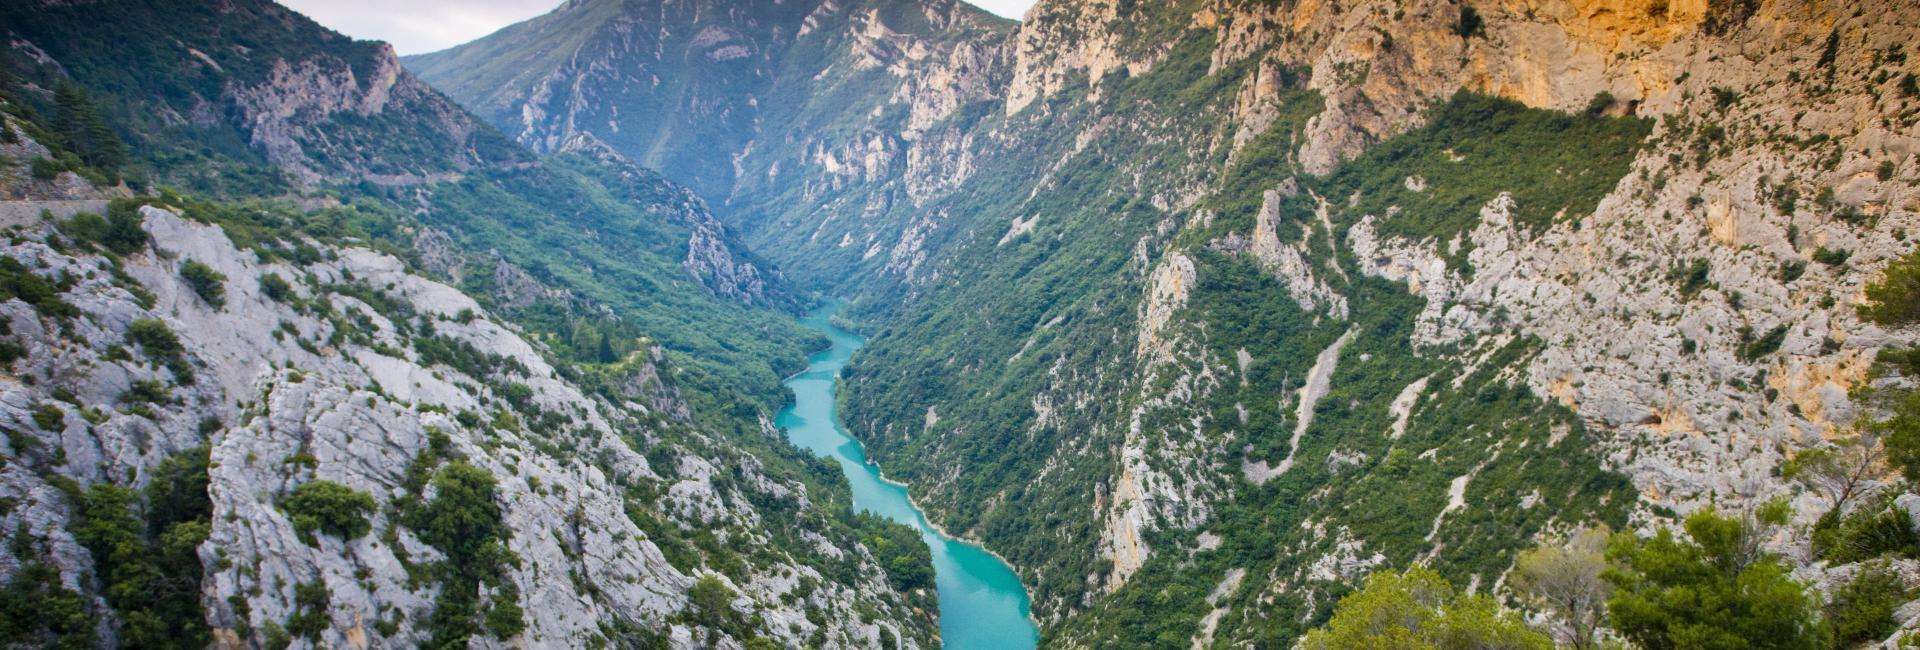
983, 603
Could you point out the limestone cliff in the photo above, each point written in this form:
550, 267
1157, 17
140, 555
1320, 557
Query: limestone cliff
323, 375
1263, 295
1783, 142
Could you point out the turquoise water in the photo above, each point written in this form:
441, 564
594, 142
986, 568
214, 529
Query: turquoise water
982, 604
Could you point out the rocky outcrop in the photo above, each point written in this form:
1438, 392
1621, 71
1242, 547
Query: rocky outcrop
291, 117
283, 393
715, 112
715, 257
316, 105
1782, 135
1694, 329
1698, 415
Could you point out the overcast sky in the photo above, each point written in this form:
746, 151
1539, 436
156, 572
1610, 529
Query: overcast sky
418, 26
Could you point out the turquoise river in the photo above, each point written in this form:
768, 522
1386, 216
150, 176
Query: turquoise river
982, 603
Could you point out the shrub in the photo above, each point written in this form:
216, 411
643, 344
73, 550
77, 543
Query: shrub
11, 352
1714, 591
154, 338
311, 600
463, 520
207, 283
46, 169
49, 417
1417, 608
712, 600
1875, 529
124, 234
19, 282
37, 611
1895, 298
1563, 577
1831, 257
1862, 610
275, 288
148, 566
1470, 23
1692, 277
1602, 101
1792, 270
330, 508
899, 550
1766, 344
146, 392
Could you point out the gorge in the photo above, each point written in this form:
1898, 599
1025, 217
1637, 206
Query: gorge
1222, 323
982, 603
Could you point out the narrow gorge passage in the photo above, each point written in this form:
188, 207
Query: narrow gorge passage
982, 603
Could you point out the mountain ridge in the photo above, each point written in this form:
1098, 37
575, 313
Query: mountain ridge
1638, 226
297, 351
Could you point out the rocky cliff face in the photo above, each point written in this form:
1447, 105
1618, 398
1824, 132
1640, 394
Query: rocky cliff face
714, 257
388, 379
1086, 262
337, 370
314, 104
760, 108
1695, 392
1223, 305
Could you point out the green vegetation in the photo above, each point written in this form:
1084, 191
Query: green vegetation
148, 558
462, 519
585, 256
207, 283
1020, 326
36, 610
1470, 24
119, 233
1862, 610
712, 603
1752, 347
617, 236
1556, 166
899, 550
1418, 609
129, 60
1715, 590
154, 338
1565, 578
276, 288
1895, 298
330, 508
1871, 530
84, 131
17, 282
158, 342
49, 417
1692, 277
310, 618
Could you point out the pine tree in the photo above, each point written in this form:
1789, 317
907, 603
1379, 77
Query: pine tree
606, 349
69, 103
83, 131
104, 149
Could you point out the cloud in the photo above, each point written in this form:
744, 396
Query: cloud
419, 26
1010, 8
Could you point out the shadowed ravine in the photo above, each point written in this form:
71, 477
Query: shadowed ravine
982, 604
